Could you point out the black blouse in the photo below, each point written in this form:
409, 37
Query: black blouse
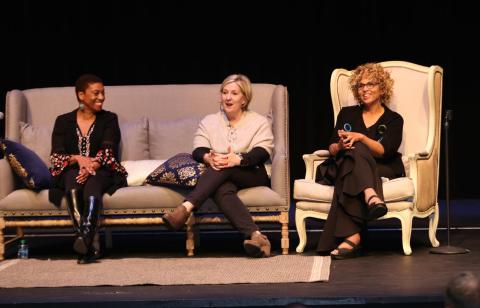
388, 130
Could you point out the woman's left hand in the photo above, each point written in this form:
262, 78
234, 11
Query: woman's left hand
82, 176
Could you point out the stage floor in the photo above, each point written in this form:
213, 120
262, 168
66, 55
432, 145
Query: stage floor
384, 277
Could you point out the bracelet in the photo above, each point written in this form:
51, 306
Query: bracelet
241, 157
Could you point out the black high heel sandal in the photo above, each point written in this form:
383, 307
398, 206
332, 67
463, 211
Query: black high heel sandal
376, 210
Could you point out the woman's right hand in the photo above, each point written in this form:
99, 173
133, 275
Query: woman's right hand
215, 160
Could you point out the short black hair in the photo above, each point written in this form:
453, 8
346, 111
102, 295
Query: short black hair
83, 81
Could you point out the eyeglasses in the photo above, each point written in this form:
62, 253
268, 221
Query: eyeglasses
367, 86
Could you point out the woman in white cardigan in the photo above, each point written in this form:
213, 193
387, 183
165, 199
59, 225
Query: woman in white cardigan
234, 143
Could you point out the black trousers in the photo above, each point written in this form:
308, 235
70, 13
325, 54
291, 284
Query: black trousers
223, 186
356, 171
96, 185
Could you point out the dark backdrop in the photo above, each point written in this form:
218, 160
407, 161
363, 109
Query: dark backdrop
297, 44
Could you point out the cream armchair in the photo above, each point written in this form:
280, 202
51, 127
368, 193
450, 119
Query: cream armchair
418, 98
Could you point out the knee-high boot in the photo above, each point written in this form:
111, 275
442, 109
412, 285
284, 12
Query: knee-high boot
89, 227
75, 208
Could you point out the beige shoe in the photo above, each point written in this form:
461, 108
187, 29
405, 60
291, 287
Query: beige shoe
258, 246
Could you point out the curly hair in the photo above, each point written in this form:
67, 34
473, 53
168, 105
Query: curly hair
378, 75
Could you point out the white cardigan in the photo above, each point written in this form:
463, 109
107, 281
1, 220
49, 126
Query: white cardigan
253, 130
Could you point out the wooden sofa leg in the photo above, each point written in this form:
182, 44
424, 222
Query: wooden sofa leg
108, 239
190, 236
2, 238
285, 242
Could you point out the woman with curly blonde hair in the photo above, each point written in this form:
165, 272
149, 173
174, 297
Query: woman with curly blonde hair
364, 148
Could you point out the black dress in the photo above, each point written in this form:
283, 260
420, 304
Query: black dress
352, 171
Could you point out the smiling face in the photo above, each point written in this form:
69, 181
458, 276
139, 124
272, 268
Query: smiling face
233, 99
369, 91
93, 97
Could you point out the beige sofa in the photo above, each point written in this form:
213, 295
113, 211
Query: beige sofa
157, 122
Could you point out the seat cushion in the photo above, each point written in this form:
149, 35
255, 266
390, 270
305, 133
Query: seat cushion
138, 199
393, 190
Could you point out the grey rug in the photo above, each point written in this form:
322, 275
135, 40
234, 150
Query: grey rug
31, 273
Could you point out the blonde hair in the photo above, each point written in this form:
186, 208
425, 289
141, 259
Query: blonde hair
243, 83
378, 75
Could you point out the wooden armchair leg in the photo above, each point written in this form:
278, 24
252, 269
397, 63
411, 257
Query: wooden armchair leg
301, 230
432, 227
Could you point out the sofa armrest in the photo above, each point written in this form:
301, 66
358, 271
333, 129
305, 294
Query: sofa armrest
280, 177
7, 183
16, 111
312, 161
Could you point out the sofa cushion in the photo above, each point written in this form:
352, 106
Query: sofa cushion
181, 170
38, 139
133, 145
134, 142
167, 138
26, 164
393, 190
138, 170
141, 198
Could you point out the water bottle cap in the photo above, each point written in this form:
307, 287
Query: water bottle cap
23, 241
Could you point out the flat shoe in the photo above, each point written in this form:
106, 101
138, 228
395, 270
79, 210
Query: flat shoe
376, 210
345, 253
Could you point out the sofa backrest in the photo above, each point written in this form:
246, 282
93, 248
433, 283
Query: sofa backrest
170, 110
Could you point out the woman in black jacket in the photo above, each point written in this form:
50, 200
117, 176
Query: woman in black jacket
85, 163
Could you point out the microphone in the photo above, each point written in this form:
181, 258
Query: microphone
1, 115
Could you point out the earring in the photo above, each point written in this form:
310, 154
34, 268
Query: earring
81, 106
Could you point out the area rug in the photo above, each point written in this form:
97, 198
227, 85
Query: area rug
30, 273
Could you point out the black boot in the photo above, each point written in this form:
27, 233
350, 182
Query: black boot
89, 227
74, 208
93, 254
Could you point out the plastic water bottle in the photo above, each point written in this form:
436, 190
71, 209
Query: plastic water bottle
23, 250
